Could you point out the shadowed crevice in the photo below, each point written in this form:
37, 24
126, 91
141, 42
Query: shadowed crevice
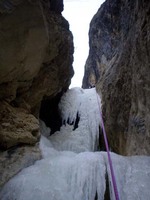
49, 113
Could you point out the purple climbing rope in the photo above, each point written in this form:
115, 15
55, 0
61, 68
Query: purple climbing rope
108, 154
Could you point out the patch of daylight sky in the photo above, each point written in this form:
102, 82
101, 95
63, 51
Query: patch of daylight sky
79, 14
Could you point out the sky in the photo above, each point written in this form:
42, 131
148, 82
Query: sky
79, 14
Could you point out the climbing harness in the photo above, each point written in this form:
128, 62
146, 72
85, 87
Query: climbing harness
108, 153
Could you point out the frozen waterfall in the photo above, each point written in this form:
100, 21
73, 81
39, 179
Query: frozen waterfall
70, 169
84, 138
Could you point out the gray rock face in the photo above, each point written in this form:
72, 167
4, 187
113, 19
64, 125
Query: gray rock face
36, 55
119, 65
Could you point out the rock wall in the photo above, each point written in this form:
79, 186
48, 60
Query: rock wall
36, 55
119, 66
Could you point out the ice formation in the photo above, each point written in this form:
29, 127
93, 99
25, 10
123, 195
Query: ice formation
70, 170
61, 175
85, 137
132, 176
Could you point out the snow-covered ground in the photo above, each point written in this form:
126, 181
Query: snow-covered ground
70, 169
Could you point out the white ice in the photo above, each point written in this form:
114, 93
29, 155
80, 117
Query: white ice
69, 171
132, 176
85, 137
59, 176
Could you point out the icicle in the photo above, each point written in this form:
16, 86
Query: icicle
84, 138
60, 176
132, 176
66, 175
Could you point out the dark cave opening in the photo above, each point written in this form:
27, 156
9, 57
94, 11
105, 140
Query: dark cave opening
49, 113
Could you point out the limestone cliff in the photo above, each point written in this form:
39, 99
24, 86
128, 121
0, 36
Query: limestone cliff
119, 65
36, 55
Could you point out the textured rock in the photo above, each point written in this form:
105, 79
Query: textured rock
119, 61
17, 126
15, 159
36, 55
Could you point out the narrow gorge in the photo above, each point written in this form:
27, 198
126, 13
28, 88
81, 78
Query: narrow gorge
51, 142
